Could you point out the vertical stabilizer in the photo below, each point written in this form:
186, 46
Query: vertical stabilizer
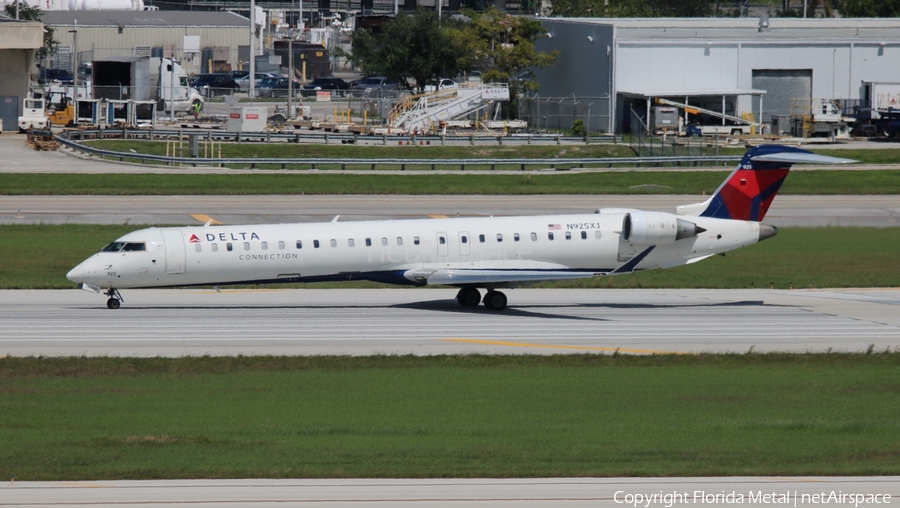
749, 190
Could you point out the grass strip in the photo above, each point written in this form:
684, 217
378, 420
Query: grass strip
449, 416
392, 150
626, 182
802, 257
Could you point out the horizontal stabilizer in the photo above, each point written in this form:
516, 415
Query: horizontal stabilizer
800, 158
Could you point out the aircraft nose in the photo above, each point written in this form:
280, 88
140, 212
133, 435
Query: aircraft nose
76, 274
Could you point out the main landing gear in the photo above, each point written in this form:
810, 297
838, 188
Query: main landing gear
115, 298
471, 297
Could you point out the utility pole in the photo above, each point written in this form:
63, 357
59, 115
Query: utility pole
252, 50
290, 109
74, 33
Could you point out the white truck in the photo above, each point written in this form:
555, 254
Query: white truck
33, 115
144, 78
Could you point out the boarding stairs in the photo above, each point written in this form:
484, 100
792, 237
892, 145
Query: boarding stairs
424, 113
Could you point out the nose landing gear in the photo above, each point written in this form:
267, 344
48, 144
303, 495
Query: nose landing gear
115, 298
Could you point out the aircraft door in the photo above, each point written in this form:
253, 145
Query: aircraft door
463, 243
442, 247
173, 241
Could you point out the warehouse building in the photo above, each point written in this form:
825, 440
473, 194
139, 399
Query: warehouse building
735, 65
202, 41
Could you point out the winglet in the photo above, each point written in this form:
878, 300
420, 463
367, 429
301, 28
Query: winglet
633, 262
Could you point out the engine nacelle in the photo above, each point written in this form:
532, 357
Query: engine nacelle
656, 228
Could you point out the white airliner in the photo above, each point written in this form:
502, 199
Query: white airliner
469, 253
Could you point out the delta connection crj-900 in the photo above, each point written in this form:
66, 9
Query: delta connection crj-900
471, 254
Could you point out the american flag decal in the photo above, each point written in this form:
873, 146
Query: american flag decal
553, 227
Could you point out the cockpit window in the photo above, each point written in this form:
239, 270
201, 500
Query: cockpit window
113, 247
124, 247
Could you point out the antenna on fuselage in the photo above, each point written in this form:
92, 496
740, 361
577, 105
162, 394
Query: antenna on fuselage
336, 217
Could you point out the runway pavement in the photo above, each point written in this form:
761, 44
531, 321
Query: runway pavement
195, 322
877, 211
483, 493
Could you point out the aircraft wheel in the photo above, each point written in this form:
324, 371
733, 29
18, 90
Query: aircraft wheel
495, 300
468, 297
113, 303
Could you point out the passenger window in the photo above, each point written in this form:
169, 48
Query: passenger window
350, 242
215, 247
299, 244
568, 235
316, 244
516, 237
197, 247
368, 242
481, 238
399, 240
533, 237
550, 236
333, 242
465, 239
228, 247
442, 240
597, 234
383, 241
281, 245
499, 237
584, 235
265, 246
246, 245
416, 240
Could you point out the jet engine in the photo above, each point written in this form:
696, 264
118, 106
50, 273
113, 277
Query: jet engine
656, 228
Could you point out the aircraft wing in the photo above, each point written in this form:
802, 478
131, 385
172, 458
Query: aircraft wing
477, 276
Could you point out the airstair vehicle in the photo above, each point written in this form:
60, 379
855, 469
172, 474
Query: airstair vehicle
426, 112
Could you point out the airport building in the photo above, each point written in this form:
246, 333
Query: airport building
739, 65
19, 40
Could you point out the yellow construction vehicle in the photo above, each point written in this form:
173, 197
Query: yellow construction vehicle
60, 109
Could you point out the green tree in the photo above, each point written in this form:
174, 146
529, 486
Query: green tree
29, 13
503, 46
407, 46
868, 8
423, 47
632, 8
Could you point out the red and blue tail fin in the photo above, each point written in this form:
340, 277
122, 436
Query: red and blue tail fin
749, 190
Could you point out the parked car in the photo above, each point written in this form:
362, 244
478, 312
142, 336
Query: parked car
58, 75
276, 87
210, 85
244, 81
324, 83
441, 84
376, 86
